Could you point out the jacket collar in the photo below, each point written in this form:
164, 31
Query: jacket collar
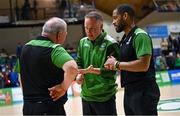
100, 38
43, 38
124, 38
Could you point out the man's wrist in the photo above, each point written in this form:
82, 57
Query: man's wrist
63, 89
116, 65
87, 70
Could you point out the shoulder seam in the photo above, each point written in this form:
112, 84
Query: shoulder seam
139, 30
109, 38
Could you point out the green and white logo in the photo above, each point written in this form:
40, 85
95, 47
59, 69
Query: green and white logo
170, 105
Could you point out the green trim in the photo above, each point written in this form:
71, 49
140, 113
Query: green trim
42, 43
59, 55
139, 30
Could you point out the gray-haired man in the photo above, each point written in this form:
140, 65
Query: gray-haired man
47, 71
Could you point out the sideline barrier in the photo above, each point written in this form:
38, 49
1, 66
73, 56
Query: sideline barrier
174, 76
162, 78
170, 77
10, 96
6, 97
17, 95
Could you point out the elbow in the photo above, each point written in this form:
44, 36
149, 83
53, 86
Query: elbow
145, 67
73, 69
144, 70
145, 62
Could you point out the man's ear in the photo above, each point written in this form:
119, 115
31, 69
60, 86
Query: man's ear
102, 26
125, 15
57, 36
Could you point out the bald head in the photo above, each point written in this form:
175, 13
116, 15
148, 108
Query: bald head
55, 29
53, 26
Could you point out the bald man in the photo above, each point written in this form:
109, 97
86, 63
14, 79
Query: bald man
47, 71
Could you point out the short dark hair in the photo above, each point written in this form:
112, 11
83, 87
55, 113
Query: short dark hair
94, 14
122, 8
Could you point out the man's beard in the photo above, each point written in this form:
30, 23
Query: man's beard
121, 26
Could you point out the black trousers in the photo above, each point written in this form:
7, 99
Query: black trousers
43, 108
141, 99
99, 108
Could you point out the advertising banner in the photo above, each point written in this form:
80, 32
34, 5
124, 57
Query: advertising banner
5, 97
175, 76
162, 78
157, 31
17, 95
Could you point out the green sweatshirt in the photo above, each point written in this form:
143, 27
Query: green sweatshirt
101, 87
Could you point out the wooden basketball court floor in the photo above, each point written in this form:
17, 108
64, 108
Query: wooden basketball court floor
73, 105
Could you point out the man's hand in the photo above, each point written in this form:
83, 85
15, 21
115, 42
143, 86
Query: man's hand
80, 79
56, 92
110, 63
87, 70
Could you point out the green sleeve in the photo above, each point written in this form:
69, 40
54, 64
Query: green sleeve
113, 50
60, 56
17, 66
142, 45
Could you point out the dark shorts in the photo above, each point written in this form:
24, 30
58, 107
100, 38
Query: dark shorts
43, 108
141, 99
99, 108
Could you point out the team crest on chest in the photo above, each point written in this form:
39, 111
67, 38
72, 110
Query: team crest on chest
86, 45
102, 47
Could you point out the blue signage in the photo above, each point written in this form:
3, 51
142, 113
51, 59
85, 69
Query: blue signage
157, 31
174, 76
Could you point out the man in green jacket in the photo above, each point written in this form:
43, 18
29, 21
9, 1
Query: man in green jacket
98, 84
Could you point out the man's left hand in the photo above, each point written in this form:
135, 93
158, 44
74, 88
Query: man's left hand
56, 92
87, 70
109, 64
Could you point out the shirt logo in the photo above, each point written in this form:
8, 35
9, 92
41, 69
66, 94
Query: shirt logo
103, 46
86, 45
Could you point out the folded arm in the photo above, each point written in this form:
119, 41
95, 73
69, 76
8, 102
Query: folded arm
70, 72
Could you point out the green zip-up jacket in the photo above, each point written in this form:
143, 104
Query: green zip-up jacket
101, 87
